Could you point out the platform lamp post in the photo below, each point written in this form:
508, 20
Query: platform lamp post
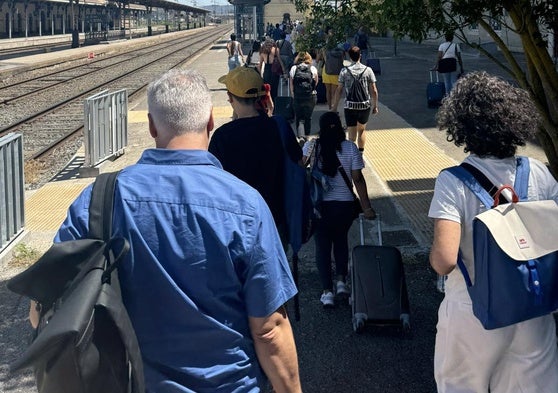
75, 32
11, 5
26, 16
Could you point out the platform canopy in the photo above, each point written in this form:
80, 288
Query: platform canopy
249, 2
169, 5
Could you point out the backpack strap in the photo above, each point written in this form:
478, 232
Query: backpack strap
485, 190
100, 207
521, 184
359, 75
468, 178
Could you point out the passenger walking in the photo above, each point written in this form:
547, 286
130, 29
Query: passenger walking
490, 119
250, 146
304, 79
361, 40
332, 57
449, 54
234, 49
333, 154
361, 96
269, 54
286, 51
206, 280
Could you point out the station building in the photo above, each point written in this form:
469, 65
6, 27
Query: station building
95, 19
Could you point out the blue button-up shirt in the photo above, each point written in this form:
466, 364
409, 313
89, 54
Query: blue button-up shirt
205, 255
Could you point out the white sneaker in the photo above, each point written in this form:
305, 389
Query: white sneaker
327, 300
341, 289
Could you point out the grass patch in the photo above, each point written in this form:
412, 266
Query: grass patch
24, 255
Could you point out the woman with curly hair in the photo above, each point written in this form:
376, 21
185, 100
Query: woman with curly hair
333, 152
490, 119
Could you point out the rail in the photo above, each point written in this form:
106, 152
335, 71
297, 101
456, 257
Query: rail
105, 128
12, 189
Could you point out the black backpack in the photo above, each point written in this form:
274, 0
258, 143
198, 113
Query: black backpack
85, 342
334, 61
357, 95
303, 82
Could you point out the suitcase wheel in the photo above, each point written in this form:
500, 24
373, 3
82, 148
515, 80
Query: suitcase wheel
358, 325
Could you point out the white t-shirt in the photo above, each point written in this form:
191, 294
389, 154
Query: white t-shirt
453, 201
452, 50
351, 159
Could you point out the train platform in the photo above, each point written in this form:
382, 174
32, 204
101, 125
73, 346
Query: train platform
404, 153
402, 162
390, 170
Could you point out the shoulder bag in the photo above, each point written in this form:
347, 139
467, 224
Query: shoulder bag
448, 64
357, 208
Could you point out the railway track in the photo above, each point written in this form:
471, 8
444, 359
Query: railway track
48, 110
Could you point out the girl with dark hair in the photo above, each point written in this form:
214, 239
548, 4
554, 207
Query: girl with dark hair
334, 153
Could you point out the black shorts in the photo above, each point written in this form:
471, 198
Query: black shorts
352, 116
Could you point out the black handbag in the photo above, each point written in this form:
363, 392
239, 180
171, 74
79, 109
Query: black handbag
447, 65
85, 342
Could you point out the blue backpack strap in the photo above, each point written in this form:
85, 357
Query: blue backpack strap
521, 184
472, 184
463, 269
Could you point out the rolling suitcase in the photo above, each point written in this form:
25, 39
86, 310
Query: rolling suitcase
379, 291
435, 91
374, 63
284, 101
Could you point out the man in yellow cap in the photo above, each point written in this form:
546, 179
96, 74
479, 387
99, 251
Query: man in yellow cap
250, 146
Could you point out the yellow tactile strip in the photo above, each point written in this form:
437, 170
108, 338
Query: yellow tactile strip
408, 163
137, 116
222, 112
46, 209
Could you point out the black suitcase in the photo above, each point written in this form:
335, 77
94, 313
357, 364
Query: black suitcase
379, 291
284, 102
374, 63
435, 91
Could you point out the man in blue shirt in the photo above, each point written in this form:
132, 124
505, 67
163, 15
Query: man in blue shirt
206, 279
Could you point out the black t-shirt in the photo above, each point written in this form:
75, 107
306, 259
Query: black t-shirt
251, 149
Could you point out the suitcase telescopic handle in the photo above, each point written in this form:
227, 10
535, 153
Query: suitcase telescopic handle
361, 227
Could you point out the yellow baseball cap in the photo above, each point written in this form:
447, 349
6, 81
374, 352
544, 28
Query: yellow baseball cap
244, 82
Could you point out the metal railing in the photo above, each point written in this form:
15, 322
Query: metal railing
105, 127
12, 188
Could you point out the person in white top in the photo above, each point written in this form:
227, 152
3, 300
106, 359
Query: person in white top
332, 152
490, 118
451, 51
303, 81
234, 50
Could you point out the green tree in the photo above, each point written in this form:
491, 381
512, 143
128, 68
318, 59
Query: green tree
532, 20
